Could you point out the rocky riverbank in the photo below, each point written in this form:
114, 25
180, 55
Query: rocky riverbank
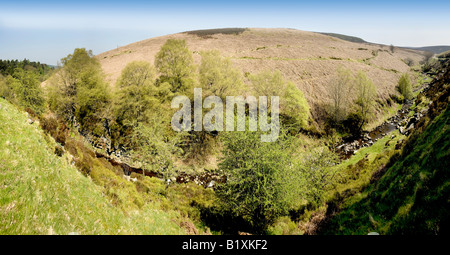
401, 121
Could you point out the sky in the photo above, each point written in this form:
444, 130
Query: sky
47, 31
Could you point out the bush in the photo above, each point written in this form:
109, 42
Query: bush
397, 99
284, 226
258, 178
431, 66
57, 129
409, 61
405, 87
59, 151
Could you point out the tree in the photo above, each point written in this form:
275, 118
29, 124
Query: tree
217, 75
295, 108
135, 100
268, 83
136, 93
137, 73
175, 63
405, 87
29, 90
258, 178
293, 104
78, 92
392, 48
366, 93
340, 91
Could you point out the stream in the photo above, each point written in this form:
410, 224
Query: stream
345, 149
400, 121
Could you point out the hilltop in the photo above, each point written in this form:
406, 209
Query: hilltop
435, 49
346, 37
309, 59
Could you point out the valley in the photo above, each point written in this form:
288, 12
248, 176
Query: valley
88, 147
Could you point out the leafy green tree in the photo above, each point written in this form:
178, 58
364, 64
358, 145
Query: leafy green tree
405, 87
366, 94
268, 83
258, 178
29, 90
136, 93
135, 100
296, 107
78, 92
137, 73
340, 90
293, 104
218, 76
176, 65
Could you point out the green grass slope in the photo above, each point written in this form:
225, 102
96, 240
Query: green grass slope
41, 193
412, 197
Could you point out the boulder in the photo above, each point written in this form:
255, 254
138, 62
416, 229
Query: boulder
211, 184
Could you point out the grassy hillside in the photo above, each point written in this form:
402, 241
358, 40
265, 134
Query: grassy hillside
41, 193
412, 196
308, 59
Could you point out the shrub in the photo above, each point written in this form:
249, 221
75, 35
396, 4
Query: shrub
405, 87
258, 178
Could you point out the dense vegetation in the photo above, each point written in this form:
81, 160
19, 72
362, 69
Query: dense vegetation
7, 67
20, 83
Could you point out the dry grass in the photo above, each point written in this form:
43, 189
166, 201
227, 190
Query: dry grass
308, 59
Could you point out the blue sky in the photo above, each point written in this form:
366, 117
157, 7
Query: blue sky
46, 31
